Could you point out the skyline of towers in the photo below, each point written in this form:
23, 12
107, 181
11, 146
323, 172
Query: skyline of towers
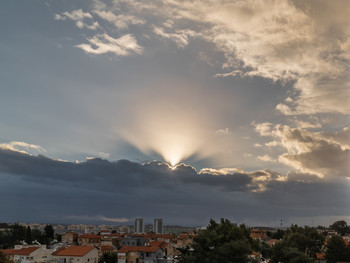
158, 226
139, 226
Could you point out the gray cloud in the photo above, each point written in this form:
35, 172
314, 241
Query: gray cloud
313, 152
99, 190
287, 41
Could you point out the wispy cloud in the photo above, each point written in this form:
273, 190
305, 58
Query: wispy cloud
22, 147
225, 131
102, 44
266, 158
78, 16
98, 218
119, 21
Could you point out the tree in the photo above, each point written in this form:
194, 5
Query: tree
336, 250
18, 233
282, 252
38, 236
220, 242
109, 257
299, 244
28, 238
341, 227
49, 232
266, 250
278, 234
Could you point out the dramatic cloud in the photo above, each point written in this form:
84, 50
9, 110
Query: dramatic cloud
311, 152
286, 41
132, 189
260, 86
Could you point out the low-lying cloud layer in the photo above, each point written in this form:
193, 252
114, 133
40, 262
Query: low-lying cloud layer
70, 191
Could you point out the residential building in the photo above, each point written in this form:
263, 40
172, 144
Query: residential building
28, 254
124, 229
133, 241
141, 254
70, 238
76, 254
139, 226
89, 239
158, 226
258, 234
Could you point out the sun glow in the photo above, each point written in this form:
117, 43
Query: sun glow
171, 123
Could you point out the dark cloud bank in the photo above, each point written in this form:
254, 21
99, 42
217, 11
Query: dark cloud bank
37, 188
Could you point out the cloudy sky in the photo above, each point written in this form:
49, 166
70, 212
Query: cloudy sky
186, 110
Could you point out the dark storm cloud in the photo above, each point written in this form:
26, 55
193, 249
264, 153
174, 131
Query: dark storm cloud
40, 188
104, 174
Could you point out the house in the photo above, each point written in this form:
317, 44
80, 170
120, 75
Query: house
258, 234
76, 254
184, 240
105, 249
70, 238
140, 254
134, 240
114, 240
321, 258
89, 240
28, 254
272, 242
162, 237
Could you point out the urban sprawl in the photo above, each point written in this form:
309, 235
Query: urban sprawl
158, 243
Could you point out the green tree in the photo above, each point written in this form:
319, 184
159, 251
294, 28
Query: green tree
282, 252
278, 234
299, 244
16, 235
28, 238
38, 236
341, 227
220, 242
266, 250
49, 232
109, 257
336, 250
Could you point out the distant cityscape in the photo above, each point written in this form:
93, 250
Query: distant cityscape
137, 227
159, 243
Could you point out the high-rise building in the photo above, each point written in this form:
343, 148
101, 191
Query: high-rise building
158, 226
139, 227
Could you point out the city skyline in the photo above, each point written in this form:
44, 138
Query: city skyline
112, 110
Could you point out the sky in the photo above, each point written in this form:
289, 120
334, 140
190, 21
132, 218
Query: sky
111, 110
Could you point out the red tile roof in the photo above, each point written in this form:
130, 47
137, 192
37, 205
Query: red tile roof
77, 251
271, 242
160, 244
320, 256
58, 251
23, 251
